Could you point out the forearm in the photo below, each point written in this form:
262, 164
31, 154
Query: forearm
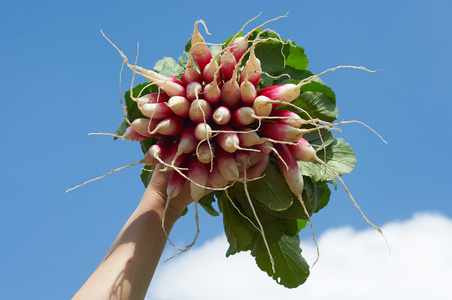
128, 267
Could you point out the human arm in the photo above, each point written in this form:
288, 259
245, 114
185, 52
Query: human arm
129, 265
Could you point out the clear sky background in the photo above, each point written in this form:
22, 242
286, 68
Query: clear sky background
59, 80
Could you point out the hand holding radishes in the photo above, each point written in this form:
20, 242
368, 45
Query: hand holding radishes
236, 125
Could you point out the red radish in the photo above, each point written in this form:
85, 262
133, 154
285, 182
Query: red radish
205, 151
238, 47
212, 93
287, 92
230, 94
187, 141
132, 135
252, 70
247, 93
160, 149
257, 168
200, 111
159, 97
199, 50
249, 137
193, 90
216, 179
157, 111
265, 147
228, 141
170, 126
287, 117
227, 64
302, 150
190, 74
226, 164
210, 72
179, 105
281, 132
170, 158
222, 115
242, 158
203, 131
243, 116
175, 184
262, 106
198, 173
142, 126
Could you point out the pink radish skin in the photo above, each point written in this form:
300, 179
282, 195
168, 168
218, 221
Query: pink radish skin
216, 179
264, 148
262, 106
303, 151
248, 137
247, 93
187, 141
257, 168
281, 132
238, 47
212, 93
190, 74
160, 149
179, 105
199, 50
288, 118
200, 111
227, 64
210, 73
228, 141
199, 173
252, 70
225, 162
132, 135
157, 111
287, 93
141, 125
243, 116
203, 131
152, 98
193, 90
205, 153
222, 115
230, 94
170, 157
170, 126
291, 172
175, 184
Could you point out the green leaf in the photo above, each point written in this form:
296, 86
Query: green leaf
271, 190
291, 269
169, 67
206, 203
121, 129
239, 232
317, 193
338, 155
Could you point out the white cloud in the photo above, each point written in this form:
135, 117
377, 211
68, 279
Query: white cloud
353, 265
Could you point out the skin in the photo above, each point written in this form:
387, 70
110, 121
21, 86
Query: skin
129, 265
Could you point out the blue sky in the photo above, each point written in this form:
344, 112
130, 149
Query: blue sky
59, 80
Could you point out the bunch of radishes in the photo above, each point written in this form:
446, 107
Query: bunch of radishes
217, 124
214, 123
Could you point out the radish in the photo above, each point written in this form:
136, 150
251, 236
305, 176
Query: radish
199, 51
170, 126
221, 115
252, 70
156, 110
179, 105
226, 164
193, 90
200, 111
152, 98
243, 116
205, 151
247, 92
203, 131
